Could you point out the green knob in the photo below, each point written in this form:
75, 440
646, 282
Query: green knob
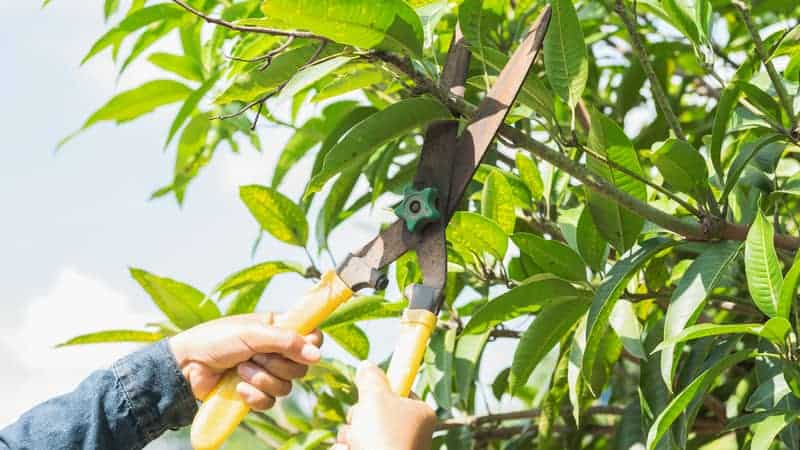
418, 207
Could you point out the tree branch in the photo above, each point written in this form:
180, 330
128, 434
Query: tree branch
476, 421
783, 95
245, 28
641, 53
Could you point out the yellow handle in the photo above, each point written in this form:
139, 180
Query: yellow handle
416, 327
223, 409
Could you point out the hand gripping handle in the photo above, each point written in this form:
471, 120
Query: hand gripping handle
416, 327
223, 409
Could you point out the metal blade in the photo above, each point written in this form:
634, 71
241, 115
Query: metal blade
475, 140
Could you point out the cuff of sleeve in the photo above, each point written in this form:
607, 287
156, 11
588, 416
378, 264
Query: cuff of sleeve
155, 390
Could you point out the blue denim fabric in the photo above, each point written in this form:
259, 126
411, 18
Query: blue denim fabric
121, 408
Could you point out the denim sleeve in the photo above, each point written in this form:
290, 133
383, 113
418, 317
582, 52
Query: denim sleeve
121, 408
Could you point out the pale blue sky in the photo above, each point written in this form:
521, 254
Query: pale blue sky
73, 222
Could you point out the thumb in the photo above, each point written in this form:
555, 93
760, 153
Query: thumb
370, 380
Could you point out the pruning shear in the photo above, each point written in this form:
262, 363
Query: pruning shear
447, 163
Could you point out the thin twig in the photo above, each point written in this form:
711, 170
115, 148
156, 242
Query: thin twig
688, 207
260, 101
639, 49
783, 95
267, 57
245, 28
715, 229
476, 421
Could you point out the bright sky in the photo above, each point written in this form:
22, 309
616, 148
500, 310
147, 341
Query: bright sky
73, 222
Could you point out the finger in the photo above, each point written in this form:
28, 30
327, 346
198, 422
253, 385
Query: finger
340, 446
280, 367
265, 382
351, 413
370, 379
254, 398
268, 339
315, 338
414, 396
343, 434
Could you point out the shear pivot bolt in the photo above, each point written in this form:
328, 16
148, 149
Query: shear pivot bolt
418, 207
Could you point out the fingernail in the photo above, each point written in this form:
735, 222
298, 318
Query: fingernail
246, 371
310, 352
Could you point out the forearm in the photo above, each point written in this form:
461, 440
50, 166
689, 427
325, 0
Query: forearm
124, 407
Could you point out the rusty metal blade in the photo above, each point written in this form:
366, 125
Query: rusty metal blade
358, 270
476, 138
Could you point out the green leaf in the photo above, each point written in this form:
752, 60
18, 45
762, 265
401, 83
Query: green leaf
438, 367
691, 293
146, 40
310, 75
134, 103
497, 202
528, 297
133, 22
311, 133
553, 256
764, 279
368, 307
765, 431
697, 387
546, 330
335, 203
618, 225
113, 336
747, 151
180, 65
692, 18
683, 168
189, 106
727, 104
465, 362
521, 194
591, 244
109, 8
710, 329
530, 175
476, 235
356, 78
256, 274
183, 305
534, 93
382, 24
369, 135
247, 299
565, 53
479, 21
256, 83
789, 289
609, 292
276, 214
351, 338
624, 322
574, 369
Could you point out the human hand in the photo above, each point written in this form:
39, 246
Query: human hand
383, 420
266, 357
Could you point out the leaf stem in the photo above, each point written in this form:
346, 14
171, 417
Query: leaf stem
783, 95
245, 28
639, 49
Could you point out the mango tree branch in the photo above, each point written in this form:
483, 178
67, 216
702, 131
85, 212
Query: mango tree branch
783, 95
476, 421
639, 49
245, 28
